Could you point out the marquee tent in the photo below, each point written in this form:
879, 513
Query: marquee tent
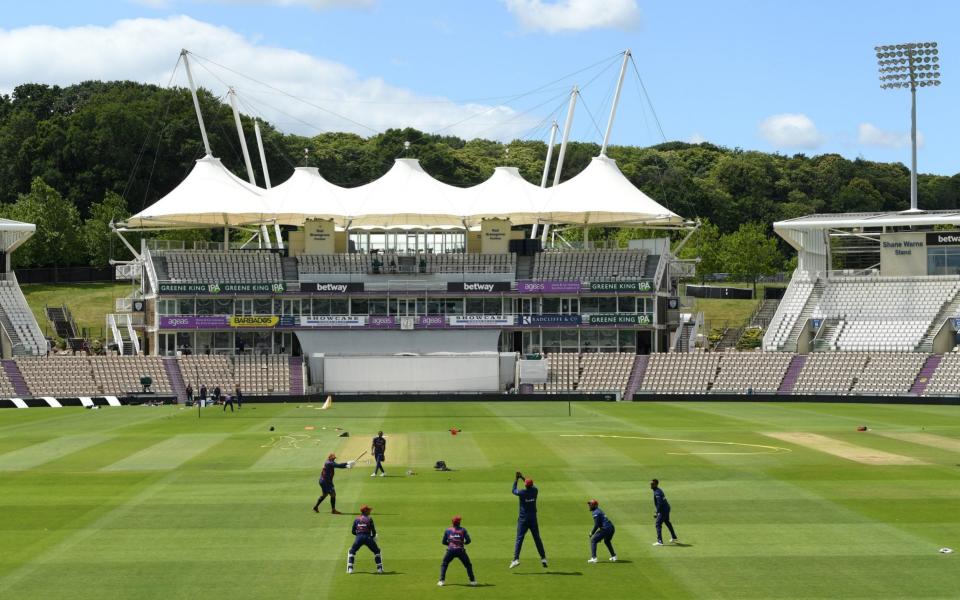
602, 195
210, 196
306, 195
506, 194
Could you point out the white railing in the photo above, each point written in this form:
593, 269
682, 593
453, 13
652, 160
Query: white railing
37, 333
134, 340
148, 265
661, 266
115, 336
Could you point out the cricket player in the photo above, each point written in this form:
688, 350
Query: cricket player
662, 515
379, 450
365, 533
527, 520
455, 538
326, 482
602, 530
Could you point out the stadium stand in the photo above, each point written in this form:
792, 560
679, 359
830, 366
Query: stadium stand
7, 389
603, 372
249, 266
471, 263
563, 373
883, 313
680, 373
63, 376
118, 375
889, 374
256, 374
760, 372
19, 322
831, 373
946, 378
791, 305
592, 265
334, 263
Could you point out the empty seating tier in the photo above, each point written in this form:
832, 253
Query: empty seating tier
19, 322
788, 311
946, 379
889, 374
390, 263
592, 265
760, 372
830, 373
256, 374
680, 373
241, 266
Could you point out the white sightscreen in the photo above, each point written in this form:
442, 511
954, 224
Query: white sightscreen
401, 374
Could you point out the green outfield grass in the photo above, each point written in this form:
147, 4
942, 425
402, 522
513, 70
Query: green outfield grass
89, 302
140, 502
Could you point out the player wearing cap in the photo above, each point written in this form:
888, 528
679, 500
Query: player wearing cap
365, 533
326, 482
662, 516
455, 538
527, 520
379, 450
602, 530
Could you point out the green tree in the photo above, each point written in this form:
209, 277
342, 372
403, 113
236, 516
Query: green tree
97, 237
705, 245
859, 196
56, 241
750, 252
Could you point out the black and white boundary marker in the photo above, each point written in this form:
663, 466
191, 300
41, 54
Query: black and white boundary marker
51, 402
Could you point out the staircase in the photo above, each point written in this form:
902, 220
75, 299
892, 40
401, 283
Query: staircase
830, 331
764, 313
160, 267
61, 324
16, 378
731, 336
289, 268
813, 300
296, 375
650, 266
636, 376
925, 375
172, 367
793, 372
948, 311
524, 267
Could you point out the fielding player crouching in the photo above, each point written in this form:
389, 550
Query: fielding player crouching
603, 530
366, 533
455, 538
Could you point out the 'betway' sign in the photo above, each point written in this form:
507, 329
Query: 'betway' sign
478, 287
946, 238
332, 288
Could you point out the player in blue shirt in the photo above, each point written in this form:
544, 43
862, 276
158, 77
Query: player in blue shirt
379, 450
602, 530
527, 520
365, 533
455, 538
326, 482
662, 515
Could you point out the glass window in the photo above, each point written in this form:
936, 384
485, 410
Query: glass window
378, 306
569, 339
434, 307
204, 342
204, 306
531, 342
223, 306
223, 340
627, 304
492, 306
185, 306
339, 306
551, 340
551, 306
607, 304
358, 306
608, 339
244, 307
474, 306
588, 340
628, 339
185, 342
263, 306
320, 306
454, 306
261, 342
953, 261
589, 305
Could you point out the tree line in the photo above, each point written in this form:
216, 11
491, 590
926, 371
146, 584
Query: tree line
74, 158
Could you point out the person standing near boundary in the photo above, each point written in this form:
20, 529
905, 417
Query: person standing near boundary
379, 450
455, 538
365, 533
228, 401
527, 519
603, 530
662, 516
189, 392
203, 394
239, 396
326, 483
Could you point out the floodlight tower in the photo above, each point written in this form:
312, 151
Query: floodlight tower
911, 66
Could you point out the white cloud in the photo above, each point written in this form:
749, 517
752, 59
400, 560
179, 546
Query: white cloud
146, 49
575, 15
791, 130
869, 134
696, 138
314, 4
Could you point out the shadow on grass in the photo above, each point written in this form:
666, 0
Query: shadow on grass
378, 574
576, 573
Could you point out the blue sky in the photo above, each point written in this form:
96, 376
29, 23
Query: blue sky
772, 76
